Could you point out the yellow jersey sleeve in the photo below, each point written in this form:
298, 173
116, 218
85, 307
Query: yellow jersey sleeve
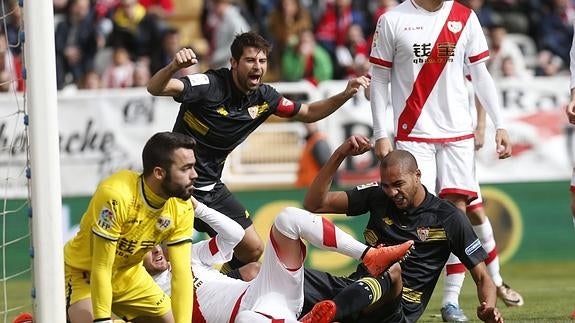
101, 276
183, 213
182, 281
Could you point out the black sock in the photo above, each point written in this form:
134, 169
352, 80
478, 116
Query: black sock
231, 265
360, 294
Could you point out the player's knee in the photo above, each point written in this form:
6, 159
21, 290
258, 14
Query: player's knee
285, 222
573, 206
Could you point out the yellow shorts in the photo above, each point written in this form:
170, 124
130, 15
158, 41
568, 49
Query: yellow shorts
134, 292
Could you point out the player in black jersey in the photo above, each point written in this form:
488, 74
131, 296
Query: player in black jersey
400, 209
220, 108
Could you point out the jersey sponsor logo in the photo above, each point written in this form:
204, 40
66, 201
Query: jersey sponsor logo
454, 26
422, 233
364, 186
473, 247
198, 79
163, 223
105, 219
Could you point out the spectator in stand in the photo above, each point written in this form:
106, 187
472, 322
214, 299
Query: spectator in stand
224, 21
556, 28
353, 56
10, 68
314, 155
515, 14
141, 75
382, 7
76, 42
91, 80
548, 64
505, 56
284, 24
135, 30
331, 31
159, 9
306, 60
13, 26
120, 73
484, 12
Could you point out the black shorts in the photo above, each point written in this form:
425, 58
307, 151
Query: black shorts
319, 286
222, 200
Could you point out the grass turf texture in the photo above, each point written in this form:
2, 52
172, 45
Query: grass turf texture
548, 289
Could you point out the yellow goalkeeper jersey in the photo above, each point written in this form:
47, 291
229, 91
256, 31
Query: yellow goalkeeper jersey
118, 211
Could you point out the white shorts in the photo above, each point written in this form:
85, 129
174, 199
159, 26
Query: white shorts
277, 291
573, 181
446, 168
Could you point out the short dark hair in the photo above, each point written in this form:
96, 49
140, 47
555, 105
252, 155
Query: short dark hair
400, 157
160, 147
249, 39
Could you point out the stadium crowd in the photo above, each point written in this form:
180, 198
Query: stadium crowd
120, 43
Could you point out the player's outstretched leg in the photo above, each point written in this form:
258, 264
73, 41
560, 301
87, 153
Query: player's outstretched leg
322, 312
377, 260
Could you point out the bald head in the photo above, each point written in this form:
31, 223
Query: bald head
402, 158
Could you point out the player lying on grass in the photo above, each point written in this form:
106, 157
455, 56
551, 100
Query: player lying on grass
277, 291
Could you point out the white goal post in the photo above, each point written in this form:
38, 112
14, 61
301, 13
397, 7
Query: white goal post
41, 93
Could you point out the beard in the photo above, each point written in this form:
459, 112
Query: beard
174, 190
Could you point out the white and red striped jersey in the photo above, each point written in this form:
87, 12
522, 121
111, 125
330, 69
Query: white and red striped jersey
426, 53
215, 294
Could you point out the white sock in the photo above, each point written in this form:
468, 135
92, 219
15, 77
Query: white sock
574, 222
296, 223
455, 274
484, 232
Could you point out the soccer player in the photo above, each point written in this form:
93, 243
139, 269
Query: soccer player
454, 269
400, 209
128, 215
220, 108
570, 111
276, 293
421, 49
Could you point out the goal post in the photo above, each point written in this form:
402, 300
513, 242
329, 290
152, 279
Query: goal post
41, 94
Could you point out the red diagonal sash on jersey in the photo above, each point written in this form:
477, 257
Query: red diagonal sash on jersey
430, 72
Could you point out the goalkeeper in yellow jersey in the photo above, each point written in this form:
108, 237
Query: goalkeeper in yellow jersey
128, 215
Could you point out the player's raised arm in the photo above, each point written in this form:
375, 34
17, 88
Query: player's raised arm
162, 83
318, 110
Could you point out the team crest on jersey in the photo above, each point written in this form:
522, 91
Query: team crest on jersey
422, 233
253, 111
454, 26
387, 221
106, 218
370, 237
163, 223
